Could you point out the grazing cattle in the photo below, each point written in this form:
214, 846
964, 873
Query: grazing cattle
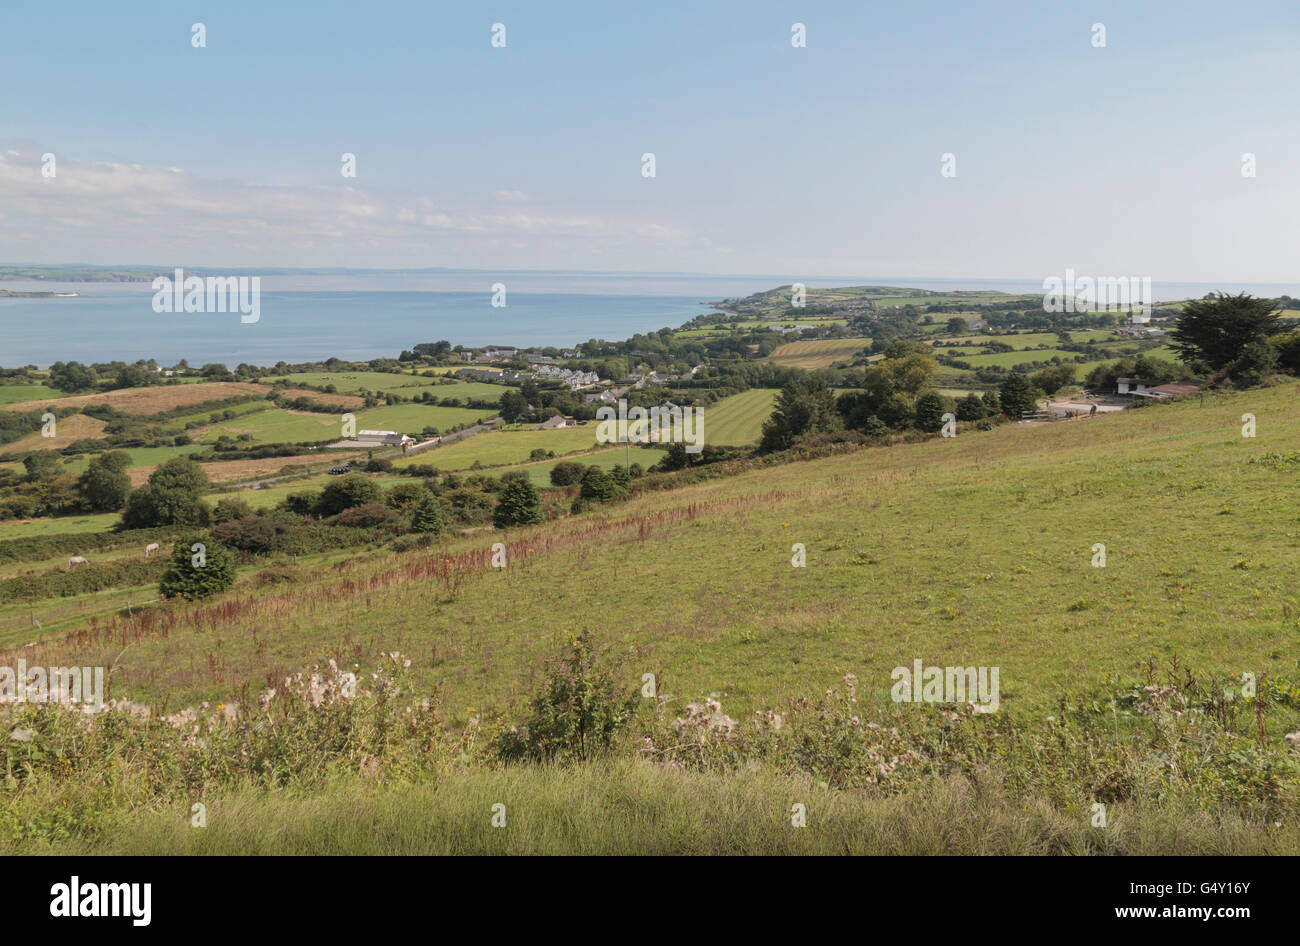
77, 560
151, 548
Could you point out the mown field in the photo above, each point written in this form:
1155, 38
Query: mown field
817, 353
739, 419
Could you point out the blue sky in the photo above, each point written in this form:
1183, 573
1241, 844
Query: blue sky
823, 160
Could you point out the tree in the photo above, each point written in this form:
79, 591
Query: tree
805, 406
1214, 332
518, 504
1288, 352
958, 326
171, 497
181, 473
992, 402
427, 517
42, 465
512, 406
352, 490
231, 508
105, 486
73, 376
1016, 395
1051, 380
199, 567
930, 409
970, 408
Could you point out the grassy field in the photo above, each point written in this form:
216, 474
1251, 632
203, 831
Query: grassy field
977, 550
503, 447
1001, 577
739, 419
817, 353
625, 807
26, 393
407, 385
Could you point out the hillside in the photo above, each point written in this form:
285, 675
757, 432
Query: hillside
973, 551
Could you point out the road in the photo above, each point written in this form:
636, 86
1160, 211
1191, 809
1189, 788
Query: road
418, 448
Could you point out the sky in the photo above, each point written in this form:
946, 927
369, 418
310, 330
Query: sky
826, 159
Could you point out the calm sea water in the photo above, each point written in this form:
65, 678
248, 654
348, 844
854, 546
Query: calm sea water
308, 318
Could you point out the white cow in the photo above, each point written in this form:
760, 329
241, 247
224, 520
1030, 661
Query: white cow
151, 548
77, 560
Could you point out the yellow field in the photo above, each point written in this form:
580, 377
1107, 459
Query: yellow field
817, 353
152, 400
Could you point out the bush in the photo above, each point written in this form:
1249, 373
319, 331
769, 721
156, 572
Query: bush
302, 504
405, 496
199, 567
576, 714
367, 516
352, 490
566, 473
379, 466
256, 535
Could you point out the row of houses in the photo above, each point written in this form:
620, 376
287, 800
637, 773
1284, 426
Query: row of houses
576, 380
510, 353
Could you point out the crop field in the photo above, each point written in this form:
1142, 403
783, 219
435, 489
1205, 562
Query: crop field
818, 353
67, 430
155, 399
739, 419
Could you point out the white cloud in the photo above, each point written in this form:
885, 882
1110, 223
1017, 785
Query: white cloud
129, 212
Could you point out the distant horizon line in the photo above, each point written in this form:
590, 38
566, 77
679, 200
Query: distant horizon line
344, 270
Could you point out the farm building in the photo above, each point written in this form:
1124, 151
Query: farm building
383, 438
557, 422
1133, 386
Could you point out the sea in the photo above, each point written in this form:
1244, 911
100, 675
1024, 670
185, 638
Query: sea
377, 314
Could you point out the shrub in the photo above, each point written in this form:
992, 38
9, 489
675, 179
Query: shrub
379, 465
256, 535
302, 504
577, 713
199, 567
367, 516
405, 496
566, 473
352, 490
